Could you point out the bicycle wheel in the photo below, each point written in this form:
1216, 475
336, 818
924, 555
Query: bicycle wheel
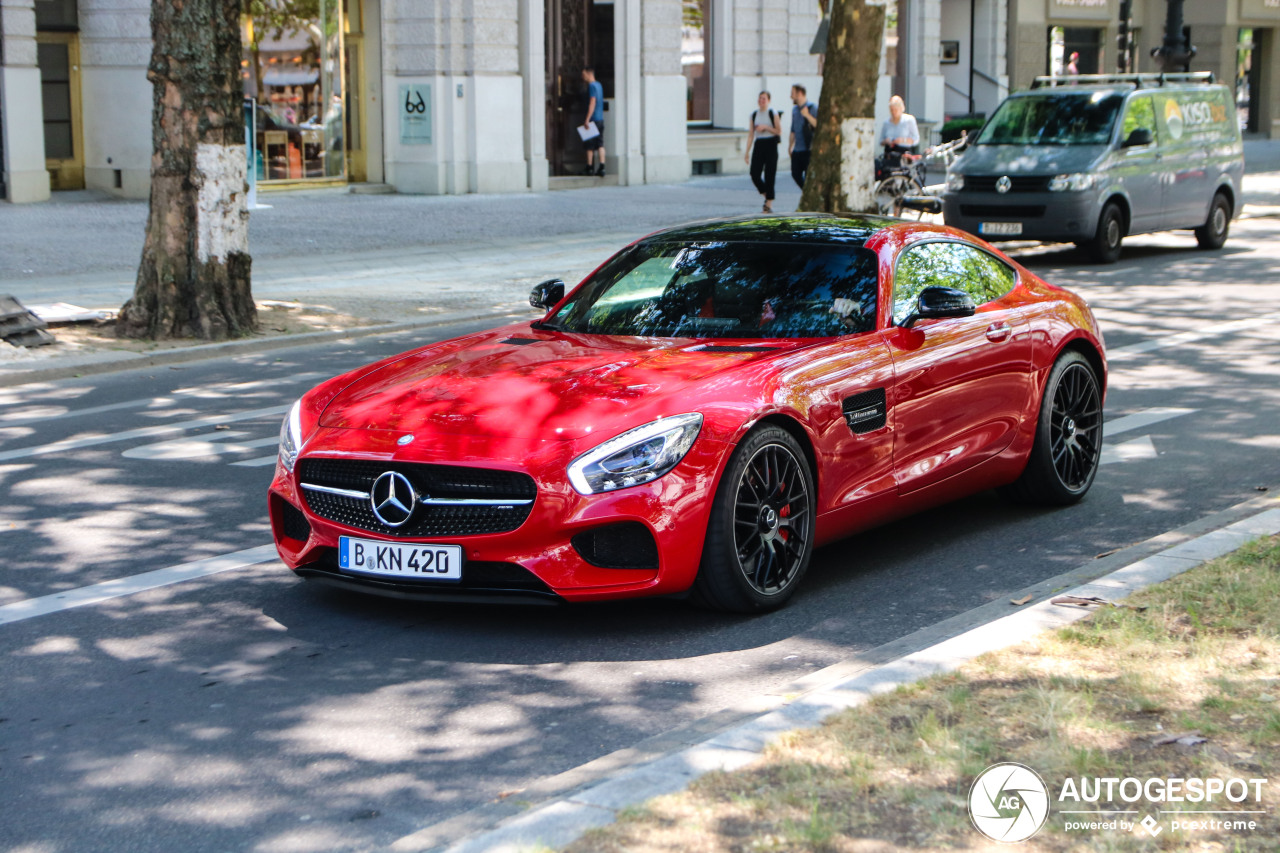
889, 193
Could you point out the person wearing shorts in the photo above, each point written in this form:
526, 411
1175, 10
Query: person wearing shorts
595, 113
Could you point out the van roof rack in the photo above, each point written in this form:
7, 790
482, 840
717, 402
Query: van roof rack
1138, 81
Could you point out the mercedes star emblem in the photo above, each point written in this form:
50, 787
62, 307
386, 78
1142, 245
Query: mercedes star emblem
405, 439
1003, 185
392, 498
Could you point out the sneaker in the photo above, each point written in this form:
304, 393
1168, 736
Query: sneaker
590, 170
768, 207
600, 171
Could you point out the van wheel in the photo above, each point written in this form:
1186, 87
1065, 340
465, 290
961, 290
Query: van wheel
1104, 248
1213, 233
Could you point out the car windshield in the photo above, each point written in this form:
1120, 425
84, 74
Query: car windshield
727, 290
1054, 118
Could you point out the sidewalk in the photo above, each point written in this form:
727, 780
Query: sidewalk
382, 261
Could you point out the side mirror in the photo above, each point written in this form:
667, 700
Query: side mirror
1137, 137
935, 303
548, 294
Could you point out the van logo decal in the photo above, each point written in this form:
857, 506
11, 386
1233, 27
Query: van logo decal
1003, 185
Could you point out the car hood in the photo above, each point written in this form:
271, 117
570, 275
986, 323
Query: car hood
546, 385
1028, 159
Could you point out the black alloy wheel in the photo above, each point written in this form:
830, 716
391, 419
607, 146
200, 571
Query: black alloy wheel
1213, 234
1068, 444
760, 536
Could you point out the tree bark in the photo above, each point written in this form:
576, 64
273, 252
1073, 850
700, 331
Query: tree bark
841, 173
193, 280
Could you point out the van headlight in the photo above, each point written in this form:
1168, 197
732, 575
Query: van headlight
637, 456
955, 182
291, 436
1073, 182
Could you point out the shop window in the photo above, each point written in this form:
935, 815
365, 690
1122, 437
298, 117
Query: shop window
57, 16
292, 67
695, 60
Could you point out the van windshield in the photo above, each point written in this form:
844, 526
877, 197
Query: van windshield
1054, 118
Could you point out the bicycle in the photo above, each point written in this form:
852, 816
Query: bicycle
908, 179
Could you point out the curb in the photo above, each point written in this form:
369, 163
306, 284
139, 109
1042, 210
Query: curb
560, 822
115, 362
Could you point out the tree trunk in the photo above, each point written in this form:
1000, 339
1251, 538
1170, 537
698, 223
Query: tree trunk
841, 173
193, 280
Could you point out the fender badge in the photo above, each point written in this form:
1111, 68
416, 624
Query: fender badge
404, 439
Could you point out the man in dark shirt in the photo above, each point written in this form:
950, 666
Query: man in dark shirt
804, 118
595, 114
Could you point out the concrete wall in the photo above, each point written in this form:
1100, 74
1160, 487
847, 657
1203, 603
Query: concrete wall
115, 96
25, 176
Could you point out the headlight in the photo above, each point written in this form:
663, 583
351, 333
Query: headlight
637, 456
955, 182
1074, 182
291, 436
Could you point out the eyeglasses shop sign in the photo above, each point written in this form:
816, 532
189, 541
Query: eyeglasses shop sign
415, 114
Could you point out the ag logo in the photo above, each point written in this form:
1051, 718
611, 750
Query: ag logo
1008, 802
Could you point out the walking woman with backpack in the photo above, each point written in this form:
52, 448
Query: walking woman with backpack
762, 148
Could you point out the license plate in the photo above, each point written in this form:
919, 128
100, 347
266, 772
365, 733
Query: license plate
1003, 228
390, 559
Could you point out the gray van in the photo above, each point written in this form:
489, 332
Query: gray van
1091, 158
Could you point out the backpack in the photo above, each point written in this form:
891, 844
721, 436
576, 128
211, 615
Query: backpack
806, 132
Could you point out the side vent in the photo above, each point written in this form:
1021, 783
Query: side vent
866, 412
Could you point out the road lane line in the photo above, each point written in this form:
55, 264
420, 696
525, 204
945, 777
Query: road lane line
1166, 341
1142, 418
259, 462
44, 605
142, 432
1130, 451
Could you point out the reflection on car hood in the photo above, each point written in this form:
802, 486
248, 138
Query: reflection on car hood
539, 384
1028, 159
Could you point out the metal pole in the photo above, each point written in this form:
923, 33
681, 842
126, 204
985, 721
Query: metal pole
1124, 36
1175, 54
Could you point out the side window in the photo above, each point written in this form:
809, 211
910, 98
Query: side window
1140, 114
957, 265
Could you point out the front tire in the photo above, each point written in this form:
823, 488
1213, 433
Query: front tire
1068, 445
760, 536
1104, 248
1213, 234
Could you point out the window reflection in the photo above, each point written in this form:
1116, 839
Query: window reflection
292, 67
728, 290
695, 55
954, 265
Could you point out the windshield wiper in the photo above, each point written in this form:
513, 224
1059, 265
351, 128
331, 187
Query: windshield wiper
541, 325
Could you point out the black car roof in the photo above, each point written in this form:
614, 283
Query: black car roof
840, 228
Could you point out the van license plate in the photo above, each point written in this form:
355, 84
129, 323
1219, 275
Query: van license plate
389, 559
1006, 229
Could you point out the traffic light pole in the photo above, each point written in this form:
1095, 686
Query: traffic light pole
1175, 54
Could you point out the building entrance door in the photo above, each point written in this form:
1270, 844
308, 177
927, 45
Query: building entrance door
58, 55
579, 34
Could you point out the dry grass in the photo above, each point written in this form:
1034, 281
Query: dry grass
1087, 700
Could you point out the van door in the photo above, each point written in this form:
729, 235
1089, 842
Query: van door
1188, 184
1139, 169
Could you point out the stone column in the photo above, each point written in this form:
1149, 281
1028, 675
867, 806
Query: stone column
21, 107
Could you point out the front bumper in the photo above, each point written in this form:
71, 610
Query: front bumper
1050, 216
546, 558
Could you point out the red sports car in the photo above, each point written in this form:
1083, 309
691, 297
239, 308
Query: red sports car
698, 415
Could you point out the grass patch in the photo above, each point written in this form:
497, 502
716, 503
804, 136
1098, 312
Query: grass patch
1088, 700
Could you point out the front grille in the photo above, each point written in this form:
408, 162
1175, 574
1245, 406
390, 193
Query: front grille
440, 482
1003, 211
628, 545
293, 523
1018, 183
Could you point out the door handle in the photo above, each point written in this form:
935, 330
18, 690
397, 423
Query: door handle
997, 332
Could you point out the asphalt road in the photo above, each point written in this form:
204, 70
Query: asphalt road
247, 710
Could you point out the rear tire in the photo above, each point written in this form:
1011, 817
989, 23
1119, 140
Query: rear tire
1213, 234
1104, 248
760, 535
1068, 445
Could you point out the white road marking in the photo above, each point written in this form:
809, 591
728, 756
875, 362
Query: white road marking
260, 462
1140, 419
1129, 451
142, 432
198, 447
1123, 353
99, 592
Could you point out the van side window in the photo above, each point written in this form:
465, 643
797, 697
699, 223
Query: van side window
1139, 114
945, 264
